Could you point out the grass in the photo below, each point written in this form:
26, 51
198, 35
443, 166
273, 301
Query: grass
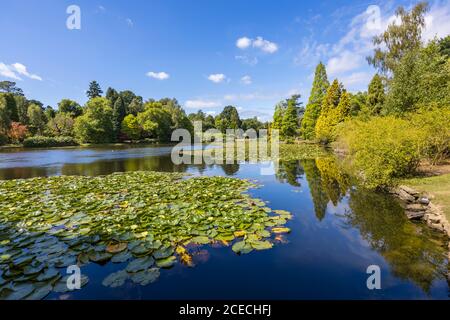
437, 186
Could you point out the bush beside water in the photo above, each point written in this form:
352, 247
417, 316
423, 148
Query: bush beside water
44, 142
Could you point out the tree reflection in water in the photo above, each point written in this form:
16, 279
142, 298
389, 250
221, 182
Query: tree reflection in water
412, 250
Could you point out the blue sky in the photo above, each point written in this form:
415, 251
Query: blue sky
205, 53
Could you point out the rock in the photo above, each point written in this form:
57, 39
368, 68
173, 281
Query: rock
434, 219
414, 215
405, 196
409, 190
424, 200
437, 226
415, 207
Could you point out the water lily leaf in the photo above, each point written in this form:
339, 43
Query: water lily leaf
281, 230
167, 262
116, 279
261, 245
116, 247
263, 233
238, 246
163, 252
18, 291
122, 257
40, 292
99, 256
50, 273
200, 240
62, 287
145, 277
140, 264
29, 270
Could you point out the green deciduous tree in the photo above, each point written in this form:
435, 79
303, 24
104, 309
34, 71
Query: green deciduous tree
402, 36
61, 125
155, 122
96, 123
37, 119
289, 125
118, 115
70, 106
313, 108
131, 127
94, 90
228, 119
10, 87
5, 120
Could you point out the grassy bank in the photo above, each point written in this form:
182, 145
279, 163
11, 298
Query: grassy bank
438, 187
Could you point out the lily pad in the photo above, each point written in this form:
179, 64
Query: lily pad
121, 257
145, 277
167, 262
116, 279
116, 247
140, 264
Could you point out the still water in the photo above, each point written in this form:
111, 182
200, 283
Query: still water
337, 232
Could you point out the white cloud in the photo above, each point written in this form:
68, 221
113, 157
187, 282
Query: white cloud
200, 103
243, 43
14, 70
246, 80
357, 78
217, 77
260, 43
345, 61
5, 71
265, 45
158, 75
251, 61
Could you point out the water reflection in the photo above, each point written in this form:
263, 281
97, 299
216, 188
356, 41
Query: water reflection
411, 251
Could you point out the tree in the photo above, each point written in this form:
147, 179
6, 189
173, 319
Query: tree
118, 115
136, 106
155, 122
375, 95
70, 106
61, 125
22, 108
11, 106
329, 115
278, 115
422, 77
228, 119
94, 90
444, 46
313, 108
131, 127
179, 117
17, 132
111, 95
289, 126
36, 118
96, 124
10, 87
358, 104
5, 120
401, 36
50, 113
252, 123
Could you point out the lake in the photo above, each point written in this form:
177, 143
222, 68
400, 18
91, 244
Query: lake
337, 231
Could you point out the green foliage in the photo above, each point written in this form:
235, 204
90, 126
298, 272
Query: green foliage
11, 106
94, 90
71, 107
228, 119
118, 115
399, 38
179, 117
61, 125
444, 46
358, 104
375, 95
289, 125
434, 126
44, 142
313, 108
334, 110
155, 122
252, 123
22, 108
131, 127
96, 124
10, 87
136, 106
381, 149
36, 118
422, 77
5, 120
277, 122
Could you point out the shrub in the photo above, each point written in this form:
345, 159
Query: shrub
17, 132
3, 139
42, 142
381, 149
434, 126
